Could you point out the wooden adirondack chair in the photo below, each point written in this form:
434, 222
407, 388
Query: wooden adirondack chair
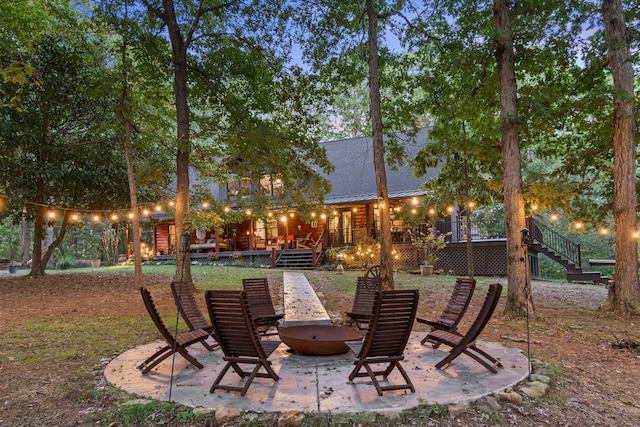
262, 311
393, 315
362, 308
179, 342
466, 344
454, 311
239, 339
189, 310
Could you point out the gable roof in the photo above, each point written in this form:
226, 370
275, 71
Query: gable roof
354, 180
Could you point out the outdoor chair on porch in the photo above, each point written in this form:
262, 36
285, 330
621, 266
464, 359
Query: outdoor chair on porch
189, 310
467, 343
239, 339
362, 308
303, 243
454, 311
393, 315
179, 342
262, 311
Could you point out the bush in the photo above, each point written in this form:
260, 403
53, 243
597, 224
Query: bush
65, 261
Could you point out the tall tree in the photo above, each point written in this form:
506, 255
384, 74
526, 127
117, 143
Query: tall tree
517, 253
229, 56
55, 148
626, 298
386, 244
181, 38
347, 44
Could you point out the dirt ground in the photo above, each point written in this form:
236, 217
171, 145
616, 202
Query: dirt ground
597, 383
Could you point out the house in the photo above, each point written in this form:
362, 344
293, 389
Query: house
351, 211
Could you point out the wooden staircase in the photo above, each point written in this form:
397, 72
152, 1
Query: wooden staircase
295, 259
563, 251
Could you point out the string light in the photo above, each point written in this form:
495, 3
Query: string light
76, 214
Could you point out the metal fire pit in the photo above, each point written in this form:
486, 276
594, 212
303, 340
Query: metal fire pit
319, 340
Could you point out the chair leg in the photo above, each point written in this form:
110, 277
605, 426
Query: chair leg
374, 380
153, 360
189, 357
406, 377
216, 383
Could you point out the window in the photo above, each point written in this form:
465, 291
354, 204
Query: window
237, 186
271, 185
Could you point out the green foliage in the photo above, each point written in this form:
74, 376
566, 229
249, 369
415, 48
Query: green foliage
364, 253
9, 240
430, 242
65, 262
202, 220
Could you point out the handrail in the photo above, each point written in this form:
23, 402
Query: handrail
556, 242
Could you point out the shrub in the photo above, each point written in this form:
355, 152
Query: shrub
65, 261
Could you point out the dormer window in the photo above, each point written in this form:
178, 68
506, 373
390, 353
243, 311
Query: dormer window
237, 186
271, 185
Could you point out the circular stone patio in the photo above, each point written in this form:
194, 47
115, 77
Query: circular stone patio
318, 383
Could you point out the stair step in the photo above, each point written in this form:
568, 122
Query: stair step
588, 276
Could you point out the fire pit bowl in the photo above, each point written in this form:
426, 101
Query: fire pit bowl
319, 340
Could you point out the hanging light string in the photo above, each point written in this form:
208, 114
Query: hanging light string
147, 208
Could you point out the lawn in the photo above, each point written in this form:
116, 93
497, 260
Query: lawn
58, 332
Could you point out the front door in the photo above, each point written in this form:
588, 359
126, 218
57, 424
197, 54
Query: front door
341, 228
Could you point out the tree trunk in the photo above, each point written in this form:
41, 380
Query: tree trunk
517, 274
386, 245
124, 115
469, 224
37, 267
24, 239
469, 244
626, 297
179, 47
39, 260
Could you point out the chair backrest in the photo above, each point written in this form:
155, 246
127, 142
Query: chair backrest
232, 325
259, 297
458, 302
155, 316
366, 287
394, 313
305, 238
186, 303
484, 315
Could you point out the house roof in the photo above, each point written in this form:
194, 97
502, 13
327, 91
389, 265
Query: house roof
353, 179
